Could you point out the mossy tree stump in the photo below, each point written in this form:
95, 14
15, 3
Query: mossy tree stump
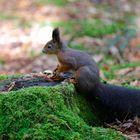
57, 112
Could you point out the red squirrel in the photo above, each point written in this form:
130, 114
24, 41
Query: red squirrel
87, 79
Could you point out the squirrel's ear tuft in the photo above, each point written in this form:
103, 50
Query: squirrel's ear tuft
56, 35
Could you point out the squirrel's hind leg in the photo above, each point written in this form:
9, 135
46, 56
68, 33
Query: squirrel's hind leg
84, 80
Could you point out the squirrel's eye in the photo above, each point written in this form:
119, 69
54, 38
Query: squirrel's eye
49, 46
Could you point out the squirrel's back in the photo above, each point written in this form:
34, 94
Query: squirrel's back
80, 58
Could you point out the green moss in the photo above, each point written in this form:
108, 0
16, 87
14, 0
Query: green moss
46, 113
129, 86
106, 134
5, 77
88, 111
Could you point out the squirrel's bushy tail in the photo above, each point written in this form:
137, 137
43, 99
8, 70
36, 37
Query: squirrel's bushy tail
119, 98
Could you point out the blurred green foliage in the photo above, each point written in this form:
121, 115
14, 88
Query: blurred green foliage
56, 2
8, 16
5, 77
2, 62
77, 46
92, 28
19, 21
112, 72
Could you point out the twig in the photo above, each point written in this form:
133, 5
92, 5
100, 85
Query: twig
11, 86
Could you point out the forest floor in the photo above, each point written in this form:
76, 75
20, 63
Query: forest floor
107, 30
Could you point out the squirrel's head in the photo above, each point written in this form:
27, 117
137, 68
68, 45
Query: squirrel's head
54, 45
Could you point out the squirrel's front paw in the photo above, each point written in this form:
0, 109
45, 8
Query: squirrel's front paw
55, 77
73, 81
42, 75
56, 69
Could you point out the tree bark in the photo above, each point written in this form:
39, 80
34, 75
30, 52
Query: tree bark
29, 81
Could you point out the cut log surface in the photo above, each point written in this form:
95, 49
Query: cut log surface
29, 81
